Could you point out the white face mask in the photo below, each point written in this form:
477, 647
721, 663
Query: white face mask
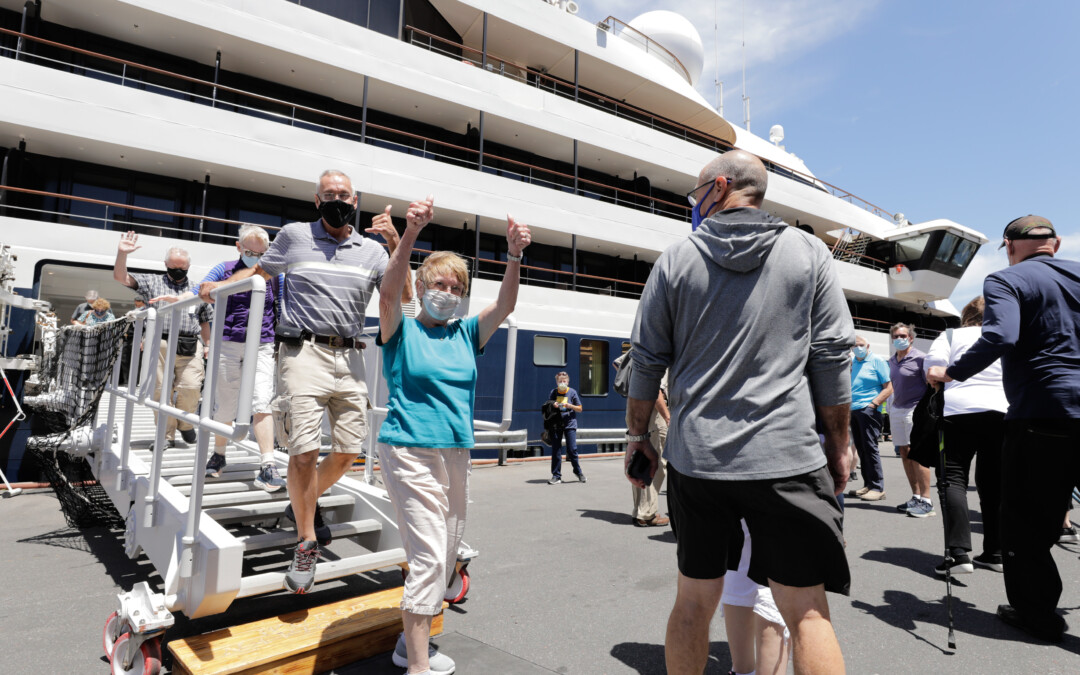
440, 305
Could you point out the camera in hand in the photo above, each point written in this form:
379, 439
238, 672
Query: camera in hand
639, 468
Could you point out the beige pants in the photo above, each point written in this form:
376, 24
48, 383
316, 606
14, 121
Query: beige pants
312, 378
429, 488
647, 502
187, 382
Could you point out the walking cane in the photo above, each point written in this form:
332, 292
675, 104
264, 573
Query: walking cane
944, 511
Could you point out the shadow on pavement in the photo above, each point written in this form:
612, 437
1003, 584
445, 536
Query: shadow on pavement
648, 658
912, 560
613, 517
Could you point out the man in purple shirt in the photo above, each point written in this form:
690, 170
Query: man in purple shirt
909, 385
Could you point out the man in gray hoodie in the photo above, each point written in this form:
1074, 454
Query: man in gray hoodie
751, 320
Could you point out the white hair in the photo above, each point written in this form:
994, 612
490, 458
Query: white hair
91, 295
331, 172
177, 251
250, 231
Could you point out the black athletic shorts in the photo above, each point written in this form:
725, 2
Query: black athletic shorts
795, 529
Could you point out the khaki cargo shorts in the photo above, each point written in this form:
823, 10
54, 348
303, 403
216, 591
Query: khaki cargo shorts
312, 378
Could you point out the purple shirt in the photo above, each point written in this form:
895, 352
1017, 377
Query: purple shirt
236, 311
908, 379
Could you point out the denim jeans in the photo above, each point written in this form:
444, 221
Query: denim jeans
571, 452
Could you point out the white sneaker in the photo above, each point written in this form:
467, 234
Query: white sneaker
439, 663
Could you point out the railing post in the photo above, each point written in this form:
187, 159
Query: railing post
202, 209
575, 168
123, 75
483, 47
576, 55
363, 114
480, 157
573, 261
106, 226
217, 72
476, 249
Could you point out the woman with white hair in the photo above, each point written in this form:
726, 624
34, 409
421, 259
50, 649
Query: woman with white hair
429, 363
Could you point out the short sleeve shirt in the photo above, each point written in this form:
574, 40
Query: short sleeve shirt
571, 396
327, 283
153, 285
431, 375
908, 378
868, 378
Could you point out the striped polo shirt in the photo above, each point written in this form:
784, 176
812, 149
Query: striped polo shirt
327, 283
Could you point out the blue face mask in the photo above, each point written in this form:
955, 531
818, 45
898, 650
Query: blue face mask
860, 352
696, 216
901, 344
249, 260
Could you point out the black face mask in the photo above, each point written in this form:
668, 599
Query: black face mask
337, 213
176, 274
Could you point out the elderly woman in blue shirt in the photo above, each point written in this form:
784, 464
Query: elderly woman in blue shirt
429, 363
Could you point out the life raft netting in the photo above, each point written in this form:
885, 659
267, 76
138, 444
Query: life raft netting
72, 379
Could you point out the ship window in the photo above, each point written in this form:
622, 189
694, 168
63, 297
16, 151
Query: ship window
100, 187
948, 244
549, 351
911, 249
964, 253
593, 361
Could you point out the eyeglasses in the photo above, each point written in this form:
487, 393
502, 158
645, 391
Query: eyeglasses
250, 254
690, 195
440, 286
331, 196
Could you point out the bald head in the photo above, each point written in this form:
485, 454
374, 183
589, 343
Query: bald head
747, 178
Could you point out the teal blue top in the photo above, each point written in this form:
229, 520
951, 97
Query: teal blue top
868, 378
431, 374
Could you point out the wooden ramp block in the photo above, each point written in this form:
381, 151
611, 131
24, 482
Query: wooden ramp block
303, 642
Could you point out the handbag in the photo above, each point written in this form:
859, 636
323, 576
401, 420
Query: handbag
187, 345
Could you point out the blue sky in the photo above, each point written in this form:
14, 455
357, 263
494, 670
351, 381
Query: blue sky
958, 110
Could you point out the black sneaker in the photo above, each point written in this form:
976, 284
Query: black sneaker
961, 564
301, 575
214, 465
581, 478
991, 561
1051, 630
1068, 535
322, 530
188, 435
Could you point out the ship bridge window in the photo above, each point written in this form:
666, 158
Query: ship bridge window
948, 245
911, 249
964, 253
593, 361
549, 351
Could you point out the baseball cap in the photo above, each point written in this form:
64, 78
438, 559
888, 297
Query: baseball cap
1021, 227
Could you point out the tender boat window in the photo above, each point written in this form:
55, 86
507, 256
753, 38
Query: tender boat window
908, 250
549, 351
594, 368
964, 253
948, 244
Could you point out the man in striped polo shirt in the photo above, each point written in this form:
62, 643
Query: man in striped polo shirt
330, 273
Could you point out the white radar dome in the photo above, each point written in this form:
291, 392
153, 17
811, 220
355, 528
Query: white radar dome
675, 33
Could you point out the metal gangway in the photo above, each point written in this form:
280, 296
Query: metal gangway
197, 531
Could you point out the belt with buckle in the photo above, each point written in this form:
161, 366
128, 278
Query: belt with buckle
336, 341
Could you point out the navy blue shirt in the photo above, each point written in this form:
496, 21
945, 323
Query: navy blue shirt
569, 416
1032, 323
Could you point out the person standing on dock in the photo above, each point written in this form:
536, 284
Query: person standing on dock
429, 364
568, 402
909, 384
188, 370
1031, 322
330, 273
751, 320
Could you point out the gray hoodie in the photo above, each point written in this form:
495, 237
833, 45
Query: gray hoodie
750, 317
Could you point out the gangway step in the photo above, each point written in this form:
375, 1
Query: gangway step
271, 582
227, 475
217, 487
281, 538
306, 641
269, 509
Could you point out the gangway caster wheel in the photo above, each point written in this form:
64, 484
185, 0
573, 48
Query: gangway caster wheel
114, 628
142, 659
459, 587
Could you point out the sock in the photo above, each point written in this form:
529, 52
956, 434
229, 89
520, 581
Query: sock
268, 458
219, 451
925, 499
916, 497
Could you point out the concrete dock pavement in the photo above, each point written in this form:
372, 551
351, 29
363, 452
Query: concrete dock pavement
564, 583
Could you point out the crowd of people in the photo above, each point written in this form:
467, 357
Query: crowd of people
754, 417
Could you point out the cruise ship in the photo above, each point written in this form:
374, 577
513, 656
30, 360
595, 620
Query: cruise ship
183, 119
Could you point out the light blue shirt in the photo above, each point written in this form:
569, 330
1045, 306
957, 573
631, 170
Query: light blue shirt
868, 378
431, 374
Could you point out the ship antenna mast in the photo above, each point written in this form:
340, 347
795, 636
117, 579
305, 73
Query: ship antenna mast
716, 54
745, 98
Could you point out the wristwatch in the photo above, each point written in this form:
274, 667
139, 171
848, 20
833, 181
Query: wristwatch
636, 438
512, 258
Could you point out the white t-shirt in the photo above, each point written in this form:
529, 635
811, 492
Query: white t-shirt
982, 391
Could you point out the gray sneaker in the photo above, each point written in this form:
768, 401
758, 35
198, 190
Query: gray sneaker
554, 481
215, 464
439, 663
906, 506
269, 479
922, 509
301, 575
